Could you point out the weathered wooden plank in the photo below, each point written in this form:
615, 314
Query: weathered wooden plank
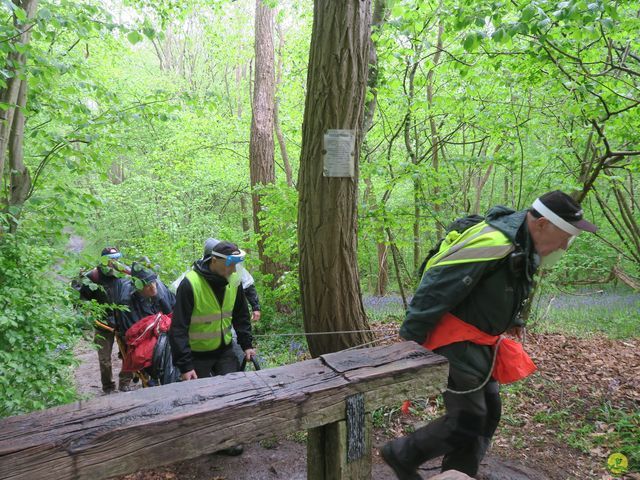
123, 433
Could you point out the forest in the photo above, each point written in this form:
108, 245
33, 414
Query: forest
152, 125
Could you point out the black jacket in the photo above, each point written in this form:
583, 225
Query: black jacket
104, 288
488, 295
179, 332
140, 307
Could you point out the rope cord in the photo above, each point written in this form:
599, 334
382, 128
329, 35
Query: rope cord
486, 380
322, 333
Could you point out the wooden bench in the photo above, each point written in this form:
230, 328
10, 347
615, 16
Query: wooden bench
331, 396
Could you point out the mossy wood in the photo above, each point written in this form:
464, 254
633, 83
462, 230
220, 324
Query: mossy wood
124, 433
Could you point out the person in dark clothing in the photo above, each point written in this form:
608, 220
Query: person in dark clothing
209, 301
480, 278
102, 284
145, 295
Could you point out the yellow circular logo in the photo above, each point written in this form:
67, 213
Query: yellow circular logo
617, 463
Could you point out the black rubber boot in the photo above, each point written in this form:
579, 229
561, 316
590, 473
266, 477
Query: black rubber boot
402, 469
232, 451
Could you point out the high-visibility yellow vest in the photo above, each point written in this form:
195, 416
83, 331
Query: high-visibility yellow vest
479, 243
210, 322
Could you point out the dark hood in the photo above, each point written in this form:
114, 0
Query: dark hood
514, 225
202, 267
509, 222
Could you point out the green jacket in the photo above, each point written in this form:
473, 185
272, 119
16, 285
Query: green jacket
487, 294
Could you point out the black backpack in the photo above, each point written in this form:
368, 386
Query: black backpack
163, 369
459, 225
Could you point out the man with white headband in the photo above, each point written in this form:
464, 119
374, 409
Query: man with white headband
473, 288
555, 220
209, 302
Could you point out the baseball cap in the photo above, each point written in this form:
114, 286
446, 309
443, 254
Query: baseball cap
111, 252
563, 211
145, 275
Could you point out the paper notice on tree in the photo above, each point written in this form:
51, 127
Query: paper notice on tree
339, 152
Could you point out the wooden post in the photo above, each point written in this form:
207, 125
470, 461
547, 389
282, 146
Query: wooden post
336, 452
331, 463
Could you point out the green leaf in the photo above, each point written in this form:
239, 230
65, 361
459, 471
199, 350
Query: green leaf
545, 22
134, 37
149, 32
44, 14
528, 13
499, 35
397, 10
607, 24
20, 14
471, 41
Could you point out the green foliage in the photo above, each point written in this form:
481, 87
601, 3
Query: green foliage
279, 219
38, 330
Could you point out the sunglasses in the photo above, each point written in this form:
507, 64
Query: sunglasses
232, 259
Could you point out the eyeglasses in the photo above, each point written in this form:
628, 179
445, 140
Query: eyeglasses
232, 259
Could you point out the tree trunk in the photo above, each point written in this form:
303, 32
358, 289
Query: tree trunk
261, 146
435, 141
12, 120
20, 177
382, 277
327, 215
245, 216
409, 127
15, 62
288, 171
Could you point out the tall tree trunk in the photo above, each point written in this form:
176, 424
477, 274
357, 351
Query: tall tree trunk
327, 215
412, 151
288, 171
20, 176
261, 146
245, 216
16, 62
12, 120
382, 277
435, 141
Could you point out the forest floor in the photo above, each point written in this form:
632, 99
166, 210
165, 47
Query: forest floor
558, 424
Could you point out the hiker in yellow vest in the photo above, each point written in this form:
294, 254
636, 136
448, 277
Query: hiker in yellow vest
478, 280
209, 301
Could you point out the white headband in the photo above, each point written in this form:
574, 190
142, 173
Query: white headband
555, 219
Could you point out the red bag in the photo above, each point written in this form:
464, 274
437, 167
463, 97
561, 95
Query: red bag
141, 339
512, 362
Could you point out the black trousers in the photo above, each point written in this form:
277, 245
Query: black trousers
463, 434
221, 363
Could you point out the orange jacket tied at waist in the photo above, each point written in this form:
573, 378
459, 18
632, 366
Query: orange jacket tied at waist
512, 362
